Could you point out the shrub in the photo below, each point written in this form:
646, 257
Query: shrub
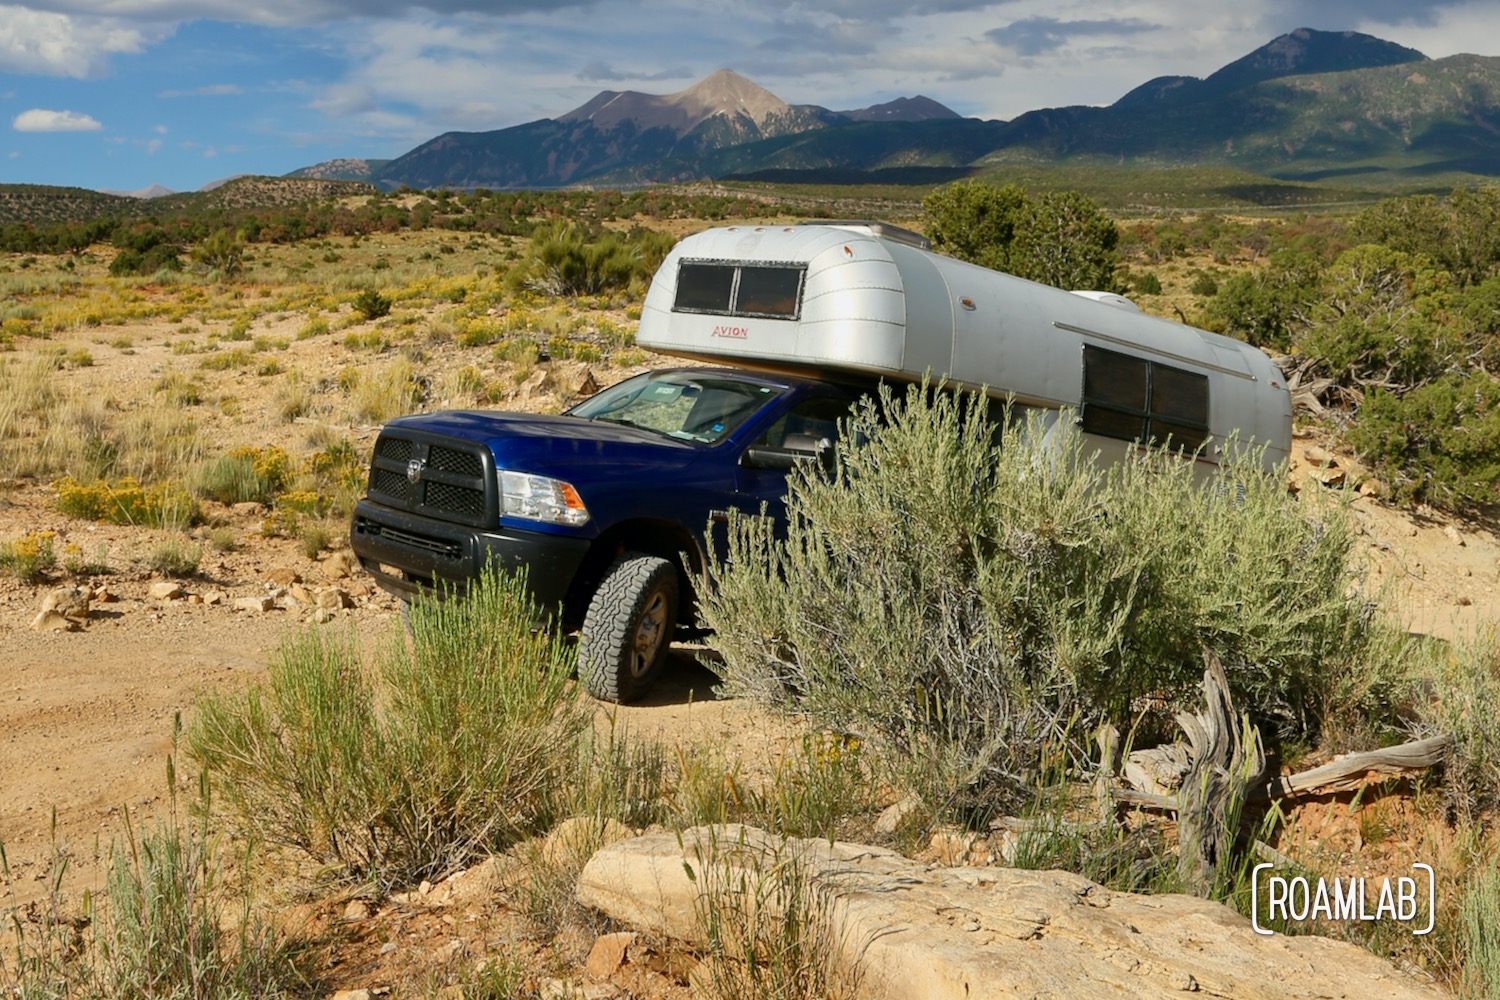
125, 501
975, 609
1148, 284
29, 557
455, 750
176, 555
246, 475
371, 305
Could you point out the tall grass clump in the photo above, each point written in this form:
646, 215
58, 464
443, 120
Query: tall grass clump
451, 746
768, 923
975, 600
168, 923
1481, 935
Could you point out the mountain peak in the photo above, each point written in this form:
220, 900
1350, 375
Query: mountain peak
726, 92
1306, 51
721, 92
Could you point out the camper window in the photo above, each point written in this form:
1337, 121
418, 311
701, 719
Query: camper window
1138, 400
728, 289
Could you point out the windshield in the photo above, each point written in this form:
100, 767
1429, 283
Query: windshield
680, 405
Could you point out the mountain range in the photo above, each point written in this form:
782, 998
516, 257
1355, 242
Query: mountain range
1307, 105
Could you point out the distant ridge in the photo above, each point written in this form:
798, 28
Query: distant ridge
1305, 105
154, 191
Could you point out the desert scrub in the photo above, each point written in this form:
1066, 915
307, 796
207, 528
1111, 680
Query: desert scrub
378, 394
164, 504
451, 746
173, 555
975, 599
29, 557
246, 475
168, 923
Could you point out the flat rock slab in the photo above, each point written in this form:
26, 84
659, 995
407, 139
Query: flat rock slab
962, 933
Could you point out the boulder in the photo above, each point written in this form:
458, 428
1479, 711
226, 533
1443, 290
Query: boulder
166, 590
909, 931
71, 603
338, 566
576, 838
608, 953
257, 604
283, 576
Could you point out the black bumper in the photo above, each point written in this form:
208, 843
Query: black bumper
411, 555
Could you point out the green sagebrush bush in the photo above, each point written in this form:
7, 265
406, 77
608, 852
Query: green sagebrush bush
973, 600
452, 745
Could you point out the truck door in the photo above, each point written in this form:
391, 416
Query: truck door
797, 436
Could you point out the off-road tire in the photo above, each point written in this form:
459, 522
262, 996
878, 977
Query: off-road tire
628, 627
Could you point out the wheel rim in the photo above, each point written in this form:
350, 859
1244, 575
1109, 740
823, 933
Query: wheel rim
649, 634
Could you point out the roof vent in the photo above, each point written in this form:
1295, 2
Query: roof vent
882, 230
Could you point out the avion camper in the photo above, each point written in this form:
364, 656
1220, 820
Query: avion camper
866, 299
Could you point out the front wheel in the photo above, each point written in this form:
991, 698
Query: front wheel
628, 627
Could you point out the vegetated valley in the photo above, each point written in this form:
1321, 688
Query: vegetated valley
231, 772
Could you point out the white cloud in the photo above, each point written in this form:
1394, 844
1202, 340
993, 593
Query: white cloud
214, 90
44, 120
54, 44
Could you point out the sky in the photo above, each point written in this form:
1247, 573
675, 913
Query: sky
123, 94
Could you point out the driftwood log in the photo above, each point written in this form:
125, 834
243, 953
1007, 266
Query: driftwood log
1220, 770
1227, 761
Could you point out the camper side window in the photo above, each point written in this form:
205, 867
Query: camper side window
728, 289
1138, 400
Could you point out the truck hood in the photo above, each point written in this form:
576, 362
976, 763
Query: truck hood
556, 445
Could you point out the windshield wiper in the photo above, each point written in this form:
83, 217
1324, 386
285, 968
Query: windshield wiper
627, 422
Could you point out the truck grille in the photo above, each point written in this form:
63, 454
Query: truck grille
443, 478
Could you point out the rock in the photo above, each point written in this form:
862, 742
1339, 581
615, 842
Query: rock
357, 909
561, 989
247, 509
587, 385
608, 954
194, 599
1318, 457
338, 566
322, 616
943, 933
257, 604
214, 597
895, 816
103, 595
300, 594
334, 599
71, 603
1452, 534
1373, 487
351, 995
576, 838
166, 590
284, 576
51, 620
1331, 476
951, 847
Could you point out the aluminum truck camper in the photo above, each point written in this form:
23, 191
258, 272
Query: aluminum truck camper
864, 298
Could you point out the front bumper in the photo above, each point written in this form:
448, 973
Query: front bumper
410, 555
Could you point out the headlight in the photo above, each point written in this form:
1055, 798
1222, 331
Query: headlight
539, 498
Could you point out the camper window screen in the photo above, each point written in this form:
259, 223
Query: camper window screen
1139, 400
773, 290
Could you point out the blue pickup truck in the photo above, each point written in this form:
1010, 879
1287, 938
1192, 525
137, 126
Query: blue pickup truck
606, 506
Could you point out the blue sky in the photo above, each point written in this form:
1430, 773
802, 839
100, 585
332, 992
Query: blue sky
122, 94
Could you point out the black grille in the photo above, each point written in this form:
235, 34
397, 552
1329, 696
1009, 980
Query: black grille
451, 482
391, 483
395, 449
454, 499
464, 463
